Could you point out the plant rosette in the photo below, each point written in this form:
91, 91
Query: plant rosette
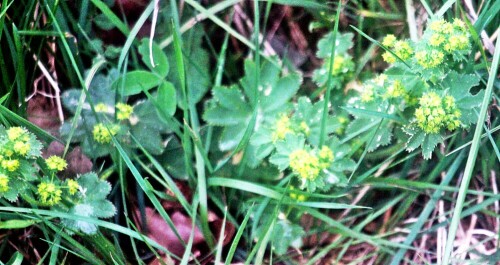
21, 177
19, 150
88, 201
96, 127
442, 47
342, 67
426, 105
233, 108
304, 119
314, 168
443, 111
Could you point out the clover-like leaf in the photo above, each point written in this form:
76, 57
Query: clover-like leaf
159, 58
167, 98
134, 82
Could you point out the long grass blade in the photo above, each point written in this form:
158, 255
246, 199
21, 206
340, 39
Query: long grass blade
329, 87
471, 160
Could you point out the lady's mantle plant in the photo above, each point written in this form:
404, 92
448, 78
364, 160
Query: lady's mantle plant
23, 172
108, 118
426, 91
285, 132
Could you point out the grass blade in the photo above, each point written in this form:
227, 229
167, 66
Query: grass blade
429, 207
111, 16
329, 86
471, 160
237, 237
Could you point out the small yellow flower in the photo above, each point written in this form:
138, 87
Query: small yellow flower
13, 133
10, 165
4, 183
447, 28
436, 39
56, 163
305, 128
297, 196
459, 25
123, 111
431, 99
8, 152
449, 102
102, 134
101, 107
282, 128
22, 148
403, 49
305, 164
325, 157
457, 42
49, 193
337, 65
342, 119
437, 25
389, 40
388, 57
367, 94
395, 90
73, 186
429, 59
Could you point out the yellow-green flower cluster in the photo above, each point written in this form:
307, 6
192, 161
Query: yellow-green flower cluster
101, 107
15, 146
4, 183
56, 163
380, 87
436, 113
123, 111
19, 138
443, 39
401, 48
308, 165
449, 36
341, 65
49, 193
282, 128
429, 59
389, 40
73, 186
102, 134
297, 196
368, 93
305, 164
285, 126
395, 90
325, 156
10, 165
